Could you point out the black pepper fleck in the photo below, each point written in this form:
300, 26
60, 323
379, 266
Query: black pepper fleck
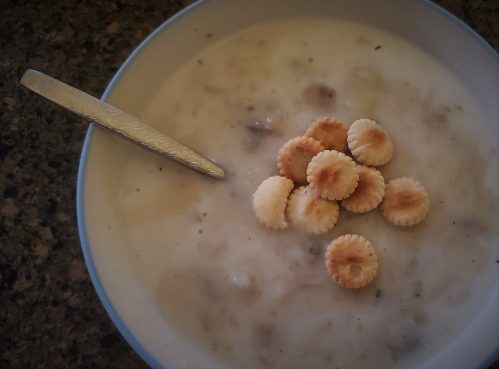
209, 35
378, 47
378, 293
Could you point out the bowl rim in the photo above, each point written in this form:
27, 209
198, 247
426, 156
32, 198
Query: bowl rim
80, 187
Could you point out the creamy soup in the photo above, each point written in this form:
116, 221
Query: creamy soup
257, 298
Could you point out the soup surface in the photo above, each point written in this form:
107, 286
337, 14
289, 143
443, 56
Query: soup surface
257, 298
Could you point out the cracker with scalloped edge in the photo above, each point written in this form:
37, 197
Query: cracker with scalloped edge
333, 175
311, 213
293, 157
406, 202
330, 132
369, 192
352, 261
270, 200
369, 143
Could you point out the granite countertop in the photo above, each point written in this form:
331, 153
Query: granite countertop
50, 316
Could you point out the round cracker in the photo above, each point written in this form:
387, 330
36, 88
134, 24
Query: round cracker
333, 175
369, 192
406, 202
352, 261
330, 132
311, 213
369, 143
270, 199
294, 156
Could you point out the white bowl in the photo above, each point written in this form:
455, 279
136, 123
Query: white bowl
459, 49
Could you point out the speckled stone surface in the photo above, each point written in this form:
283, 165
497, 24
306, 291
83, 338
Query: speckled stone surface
50, 316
